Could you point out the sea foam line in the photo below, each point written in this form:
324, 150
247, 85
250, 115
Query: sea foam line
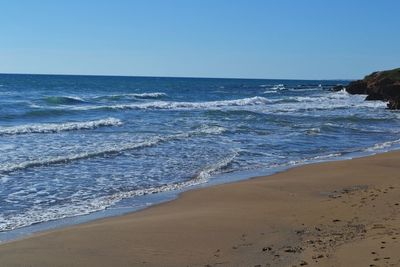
133, 95
382, 146
147, 95
257, 100
209, 170
58, 127
334, 100
116, 149
54, 213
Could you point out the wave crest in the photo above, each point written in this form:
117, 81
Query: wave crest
223, 163
113, 150
153, 95
64, 100
58, 127
251, 101
148, 95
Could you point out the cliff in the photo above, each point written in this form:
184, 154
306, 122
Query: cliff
380, 85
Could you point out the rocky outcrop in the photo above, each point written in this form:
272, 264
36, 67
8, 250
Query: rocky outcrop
357, 88
338, 88
381, 85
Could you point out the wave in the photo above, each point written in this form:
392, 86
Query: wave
59, 212
270, 91
251, 101
64, 100
379, 147
278, 87
383, 146
58, 127
330, 101
36, 215
308, 160
326, 101
313, 131
305, 89
223, 163
75, 100
148, 95
153, 95
114, 150
320, 101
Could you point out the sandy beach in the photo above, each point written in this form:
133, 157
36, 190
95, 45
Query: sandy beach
343, 213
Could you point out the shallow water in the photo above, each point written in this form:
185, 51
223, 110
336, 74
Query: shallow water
73, 145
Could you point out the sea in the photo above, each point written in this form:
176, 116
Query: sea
75, 148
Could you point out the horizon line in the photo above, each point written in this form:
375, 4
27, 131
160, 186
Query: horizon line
179, 77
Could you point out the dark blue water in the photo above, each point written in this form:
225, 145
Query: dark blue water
72, 145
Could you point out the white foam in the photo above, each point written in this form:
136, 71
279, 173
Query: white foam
77, 98
35, 215
305, 89
11, 167
333, 100
325, 101
279, 87
211, 129
148, 95
251, 101
312, 159
209, 170
58, 127
382, 146
134, 95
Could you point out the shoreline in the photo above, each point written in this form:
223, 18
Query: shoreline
318, 213
137, 204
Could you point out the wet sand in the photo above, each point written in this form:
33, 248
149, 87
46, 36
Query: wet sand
343, 213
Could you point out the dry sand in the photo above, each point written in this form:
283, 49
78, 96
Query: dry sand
331, 214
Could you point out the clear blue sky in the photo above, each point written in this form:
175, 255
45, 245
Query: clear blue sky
308, 39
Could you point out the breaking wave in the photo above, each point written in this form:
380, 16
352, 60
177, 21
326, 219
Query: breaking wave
58, 127
257, 100
148, 95
64, 100
333, 100
113, 150
33, 216
383, 146
223, 163
153, 95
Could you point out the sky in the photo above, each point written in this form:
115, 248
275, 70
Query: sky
291, 39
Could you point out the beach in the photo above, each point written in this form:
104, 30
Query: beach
199, 133
342, 213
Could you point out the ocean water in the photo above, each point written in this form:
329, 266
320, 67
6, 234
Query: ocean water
74, 145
